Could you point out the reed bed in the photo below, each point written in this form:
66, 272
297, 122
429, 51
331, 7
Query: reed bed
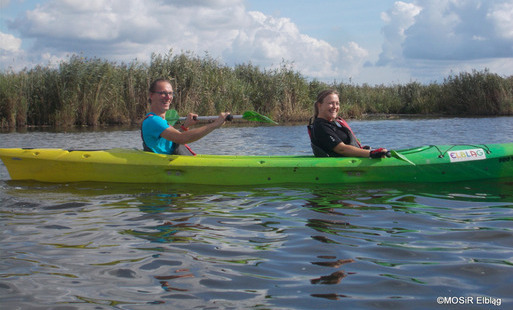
91, 91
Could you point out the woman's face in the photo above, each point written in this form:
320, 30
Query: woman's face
161, 97
329, 107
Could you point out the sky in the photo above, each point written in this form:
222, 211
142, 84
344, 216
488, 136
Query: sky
349, 41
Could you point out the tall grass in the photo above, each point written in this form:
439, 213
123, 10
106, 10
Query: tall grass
90, 92
489, 93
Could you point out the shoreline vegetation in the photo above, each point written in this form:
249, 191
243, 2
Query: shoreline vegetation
92, 92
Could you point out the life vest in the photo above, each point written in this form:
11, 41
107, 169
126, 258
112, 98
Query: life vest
318, 151
352, 137
145, 147
179, 149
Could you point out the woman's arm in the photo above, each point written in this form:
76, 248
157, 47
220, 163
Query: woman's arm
350, 151
189, 136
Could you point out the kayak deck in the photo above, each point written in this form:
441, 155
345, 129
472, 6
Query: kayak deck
442, 163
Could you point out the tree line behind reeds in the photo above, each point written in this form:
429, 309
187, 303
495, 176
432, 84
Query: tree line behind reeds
90, 92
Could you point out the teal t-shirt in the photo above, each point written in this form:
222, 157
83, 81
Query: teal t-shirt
152, 127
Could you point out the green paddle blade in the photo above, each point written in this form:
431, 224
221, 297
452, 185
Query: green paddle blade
401, 157
172, 117
255, 117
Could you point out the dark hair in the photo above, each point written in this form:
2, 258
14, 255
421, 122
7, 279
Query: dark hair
320, 98
153, 85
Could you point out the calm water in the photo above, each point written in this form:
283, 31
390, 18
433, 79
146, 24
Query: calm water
381, 246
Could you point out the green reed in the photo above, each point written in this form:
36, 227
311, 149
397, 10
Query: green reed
89, 92
477, 93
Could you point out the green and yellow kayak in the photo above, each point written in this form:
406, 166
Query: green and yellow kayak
435, 163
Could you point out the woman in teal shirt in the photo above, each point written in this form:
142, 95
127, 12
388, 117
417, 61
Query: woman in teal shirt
158, 136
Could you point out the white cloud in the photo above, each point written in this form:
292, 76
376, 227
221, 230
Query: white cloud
449, 30
129, 29
397, 21
447, 36
10, 51
9, 43
422, 39
125, 29
501, 16
98, 20
267, 41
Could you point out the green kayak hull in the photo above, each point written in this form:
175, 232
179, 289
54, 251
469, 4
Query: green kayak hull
434, 163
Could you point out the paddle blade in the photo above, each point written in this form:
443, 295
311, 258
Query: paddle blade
401, 157
255, 117
172, 117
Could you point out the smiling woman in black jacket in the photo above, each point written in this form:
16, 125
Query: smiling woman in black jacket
331, 136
